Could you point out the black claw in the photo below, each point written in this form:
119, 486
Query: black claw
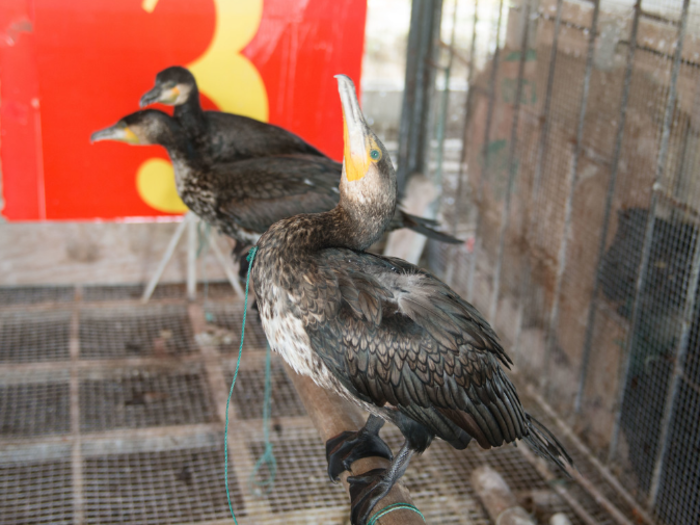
365, 492
347, 447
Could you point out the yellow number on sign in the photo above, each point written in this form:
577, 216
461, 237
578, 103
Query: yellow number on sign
226, 77
155, 182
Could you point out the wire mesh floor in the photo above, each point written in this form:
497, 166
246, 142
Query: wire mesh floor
112, 412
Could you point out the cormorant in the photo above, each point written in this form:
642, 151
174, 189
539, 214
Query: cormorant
382, 332
218, 136
244, 198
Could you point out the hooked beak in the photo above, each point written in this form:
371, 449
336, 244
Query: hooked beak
356, 152
158, 94
118, 132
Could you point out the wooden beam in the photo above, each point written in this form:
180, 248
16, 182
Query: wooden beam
497, 498
332, 415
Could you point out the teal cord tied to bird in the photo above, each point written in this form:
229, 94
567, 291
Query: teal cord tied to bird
391, 508
264, 486
272, 465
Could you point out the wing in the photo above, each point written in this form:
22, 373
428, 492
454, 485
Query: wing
256, 193
237, 137
398, 336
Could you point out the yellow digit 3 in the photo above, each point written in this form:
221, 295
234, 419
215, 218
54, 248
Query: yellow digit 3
226, 77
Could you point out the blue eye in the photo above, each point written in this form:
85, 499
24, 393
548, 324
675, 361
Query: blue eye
375, 154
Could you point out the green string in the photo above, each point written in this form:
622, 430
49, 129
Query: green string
391, 508
264, 486
250, 258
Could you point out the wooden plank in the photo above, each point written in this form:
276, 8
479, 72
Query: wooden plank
332, 415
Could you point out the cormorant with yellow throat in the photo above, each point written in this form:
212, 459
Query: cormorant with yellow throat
382, 332
242, 199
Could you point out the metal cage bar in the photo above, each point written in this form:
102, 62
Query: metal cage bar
484, 153
541, 149
414, 131
444, 103
467, 117
678, 369
573, 176
615, 165
649, 228
542, 145
505, 216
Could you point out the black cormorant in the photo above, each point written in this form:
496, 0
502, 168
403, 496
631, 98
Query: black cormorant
382, 332
244, 198
218, 136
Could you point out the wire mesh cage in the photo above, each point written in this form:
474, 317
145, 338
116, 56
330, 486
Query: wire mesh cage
566, 156
579, 181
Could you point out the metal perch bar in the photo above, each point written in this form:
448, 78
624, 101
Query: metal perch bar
332, 415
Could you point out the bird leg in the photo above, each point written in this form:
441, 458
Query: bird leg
367, 489
347, 447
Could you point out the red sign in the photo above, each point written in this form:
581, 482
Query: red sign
70, 68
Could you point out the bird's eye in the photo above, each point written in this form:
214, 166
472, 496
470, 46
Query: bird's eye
375, 154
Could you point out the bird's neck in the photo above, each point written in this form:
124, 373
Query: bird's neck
307, 234
176, 143
190, 114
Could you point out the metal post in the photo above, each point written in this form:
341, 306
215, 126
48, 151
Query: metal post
164, 261
547, 104
573, 175
484, 155
467, 117
615, 164
444, 106
191, 219
414, 130
505, 215
688, 311
678, 369
541, 149
226, 265
649, 230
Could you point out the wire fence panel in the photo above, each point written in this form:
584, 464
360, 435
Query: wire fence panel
578, 196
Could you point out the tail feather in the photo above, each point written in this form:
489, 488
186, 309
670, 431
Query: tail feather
544, 444
425, 227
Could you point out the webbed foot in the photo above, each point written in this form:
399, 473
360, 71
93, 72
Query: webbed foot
347, 447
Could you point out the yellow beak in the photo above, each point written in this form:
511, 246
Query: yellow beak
117, 133
356, 152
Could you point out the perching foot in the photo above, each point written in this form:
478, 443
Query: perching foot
365, 492
347, 447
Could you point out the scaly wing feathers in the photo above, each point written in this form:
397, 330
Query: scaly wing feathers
258, 192
400, 337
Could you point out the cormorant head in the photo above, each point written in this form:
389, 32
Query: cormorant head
173, 87
368, 186
143, 128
